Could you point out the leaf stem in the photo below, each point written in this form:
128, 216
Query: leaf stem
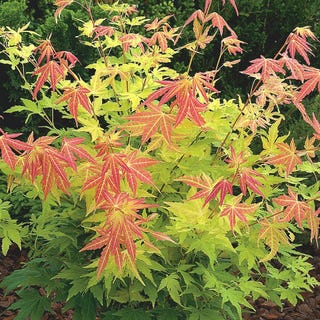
251, 94
181, 158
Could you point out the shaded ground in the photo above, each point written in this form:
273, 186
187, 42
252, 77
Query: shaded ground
309, 309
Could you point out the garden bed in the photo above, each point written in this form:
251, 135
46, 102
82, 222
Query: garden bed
309, 308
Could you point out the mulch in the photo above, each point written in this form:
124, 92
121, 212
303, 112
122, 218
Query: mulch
308, 309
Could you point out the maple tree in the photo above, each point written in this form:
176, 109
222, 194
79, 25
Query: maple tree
170, 187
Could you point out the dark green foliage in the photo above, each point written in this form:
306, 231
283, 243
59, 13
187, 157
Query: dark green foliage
31, 304
295, 124
13, 13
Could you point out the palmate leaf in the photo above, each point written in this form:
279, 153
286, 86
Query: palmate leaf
147, 123
219, 22
293, 207
46, 51
273, 233
132, 40
66, 57
115, 164
102, 180
238, 210
135, 170
156, 23
101, 31
265, 67
75, 97
8, 143
246, 179
180, 90
204, 182
209, 189
70, 148
185, 91
312, 77
43, 159
162, 37
313, 223
51, 70
171, 282
31, 305
296, 69
287, 157
298, 44
122, 227
235, 160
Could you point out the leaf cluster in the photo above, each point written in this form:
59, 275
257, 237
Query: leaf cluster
158, 194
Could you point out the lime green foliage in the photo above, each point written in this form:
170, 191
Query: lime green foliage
10, 231
157, 197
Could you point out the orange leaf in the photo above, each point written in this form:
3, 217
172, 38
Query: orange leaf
46, 50
299, 44
75, 97
61, 4
274, 234
312, 77
8, 143
313, 223
70, 148
235, 160
162, 37
294, 207
287, 157
147, 123
184, 92
246, 179
42, 159
51, 70
204, 182
135, 170
209, 189
121, 229
219, 22
238, 210
106, 176
265, 66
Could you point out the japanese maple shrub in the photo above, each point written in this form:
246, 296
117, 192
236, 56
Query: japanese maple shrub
159, 199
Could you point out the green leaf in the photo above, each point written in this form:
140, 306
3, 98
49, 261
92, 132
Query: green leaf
5, 245
78, 286
97, 292
31, 304
133, 314
168, 314
291, 295
34, 273
206, 314
173, 286
84, 306
2, 61
236, 298
151, 291
253, 287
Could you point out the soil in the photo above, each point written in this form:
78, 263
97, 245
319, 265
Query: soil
308, 309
